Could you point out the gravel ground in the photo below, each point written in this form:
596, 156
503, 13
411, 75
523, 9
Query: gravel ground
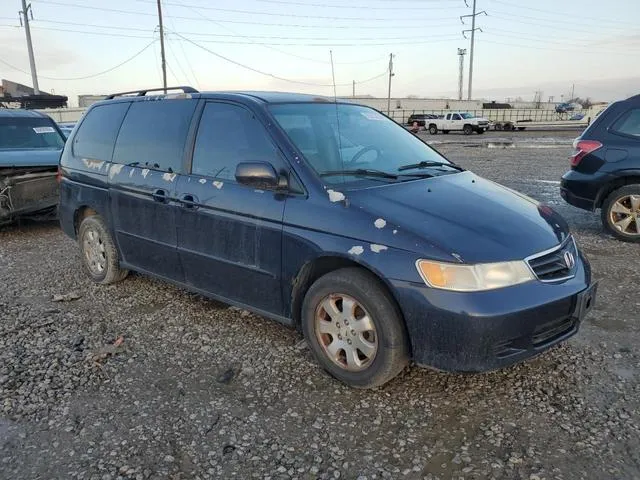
143, 380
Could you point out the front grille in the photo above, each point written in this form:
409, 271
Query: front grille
558, 264
483, 123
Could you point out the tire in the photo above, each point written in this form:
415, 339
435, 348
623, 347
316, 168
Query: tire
100, 258
433, 130
391, 354
498, 126
467, 129
629, 231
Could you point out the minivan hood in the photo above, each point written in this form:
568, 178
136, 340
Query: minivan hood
473, 219
29, 158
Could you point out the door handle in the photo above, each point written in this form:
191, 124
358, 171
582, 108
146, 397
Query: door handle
189, 201
160, 196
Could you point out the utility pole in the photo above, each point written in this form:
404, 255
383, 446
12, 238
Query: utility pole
164, 63
473, 40
354, 89
573, 88
24, 14
390, 75
461, 53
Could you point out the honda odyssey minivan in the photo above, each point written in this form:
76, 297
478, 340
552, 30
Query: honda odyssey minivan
328, 217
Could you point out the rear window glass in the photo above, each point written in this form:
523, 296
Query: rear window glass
29, 133
629, 123
97, 132
154, 133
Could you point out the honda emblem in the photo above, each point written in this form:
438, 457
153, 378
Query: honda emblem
569, 260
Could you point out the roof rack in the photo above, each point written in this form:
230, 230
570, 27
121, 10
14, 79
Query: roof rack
142, 93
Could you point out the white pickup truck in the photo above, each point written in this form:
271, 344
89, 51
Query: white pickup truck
458, 121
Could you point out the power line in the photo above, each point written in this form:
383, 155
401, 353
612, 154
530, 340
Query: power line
326, 45
108, 34
184, 54
270, 47
407, 40
247, 22
86, 76
319, 39
539, 22
255, 70
248, 12
556, 14
351, 7
203, 18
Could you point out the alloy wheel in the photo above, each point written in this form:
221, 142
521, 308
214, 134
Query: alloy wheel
624, 215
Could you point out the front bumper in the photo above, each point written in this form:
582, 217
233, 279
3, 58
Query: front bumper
481, 331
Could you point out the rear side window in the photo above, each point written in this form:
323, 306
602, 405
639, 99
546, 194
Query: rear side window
628, 124
154, 133
97, 132
229, 135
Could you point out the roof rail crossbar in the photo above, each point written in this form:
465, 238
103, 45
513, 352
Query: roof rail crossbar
142, 93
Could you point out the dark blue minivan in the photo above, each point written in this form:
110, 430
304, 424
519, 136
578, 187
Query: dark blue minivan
326, 216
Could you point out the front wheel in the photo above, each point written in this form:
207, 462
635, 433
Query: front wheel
354, 328
467, 129
100, 257
621, 213
433, 130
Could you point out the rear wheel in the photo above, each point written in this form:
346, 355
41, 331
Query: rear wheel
467, 129
354, 329
498, 126
100, 257
621, 213
433, 130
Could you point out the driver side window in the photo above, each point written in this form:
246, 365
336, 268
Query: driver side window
456, 117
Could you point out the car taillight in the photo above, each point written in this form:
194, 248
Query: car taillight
583, 148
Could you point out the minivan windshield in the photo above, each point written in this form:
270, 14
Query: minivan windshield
348, 143
29, 133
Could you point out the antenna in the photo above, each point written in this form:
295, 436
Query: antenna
335, 102
333, 76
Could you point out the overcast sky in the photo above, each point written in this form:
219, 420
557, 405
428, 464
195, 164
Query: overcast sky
525, 46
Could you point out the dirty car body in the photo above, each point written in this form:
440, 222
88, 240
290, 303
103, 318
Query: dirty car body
478, 275
30, 147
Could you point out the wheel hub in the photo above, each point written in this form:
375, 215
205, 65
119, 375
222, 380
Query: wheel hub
346, 332
94, 251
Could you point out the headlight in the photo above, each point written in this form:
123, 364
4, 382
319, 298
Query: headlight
473, 278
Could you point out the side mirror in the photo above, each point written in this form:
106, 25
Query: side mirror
259, 175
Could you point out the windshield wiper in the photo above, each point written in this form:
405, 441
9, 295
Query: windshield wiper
429, 164
360, 172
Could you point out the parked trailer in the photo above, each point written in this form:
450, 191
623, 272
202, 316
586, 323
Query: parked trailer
514, 119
